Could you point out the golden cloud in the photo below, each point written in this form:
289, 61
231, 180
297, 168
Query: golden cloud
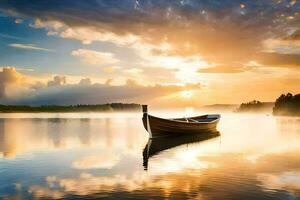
94, 57
12, 83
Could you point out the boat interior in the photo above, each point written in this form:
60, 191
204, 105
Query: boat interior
199, 119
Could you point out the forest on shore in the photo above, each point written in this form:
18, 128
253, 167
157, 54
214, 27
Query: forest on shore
287, 105
71, 108
255, 106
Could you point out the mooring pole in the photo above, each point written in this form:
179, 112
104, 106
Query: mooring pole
145, 112
145, 109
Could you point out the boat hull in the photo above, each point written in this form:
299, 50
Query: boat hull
165, 127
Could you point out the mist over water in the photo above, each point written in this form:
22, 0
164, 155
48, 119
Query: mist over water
100, 155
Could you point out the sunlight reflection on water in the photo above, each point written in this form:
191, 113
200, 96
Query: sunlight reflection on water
92, 155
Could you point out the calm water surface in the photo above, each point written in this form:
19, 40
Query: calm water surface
92, 156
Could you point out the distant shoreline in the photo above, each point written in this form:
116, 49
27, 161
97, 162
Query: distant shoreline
285, 105
111, 107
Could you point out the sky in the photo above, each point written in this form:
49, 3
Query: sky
166, 53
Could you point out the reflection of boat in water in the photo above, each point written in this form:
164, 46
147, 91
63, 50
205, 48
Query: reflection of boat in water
192, 125
156, 145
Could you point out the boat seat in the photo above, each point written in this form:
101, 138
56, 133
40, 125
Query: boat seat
194, 120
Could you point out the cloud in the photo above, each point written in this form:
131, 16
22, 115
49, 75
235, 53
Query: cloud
38, 85
102, 161
85, 81
49, 24
12, 83
109, 81
222, 32
295, 36
279, 60
10, 36
180, 179
133, 71
223, 69
7, 76
172, 40
282, 46
284, 181
94, 57
86, 183
99, 93
86, 35
28, 46
145, 74
41, 192
20, 89
18, 21
111, 69
16, 90
57, 81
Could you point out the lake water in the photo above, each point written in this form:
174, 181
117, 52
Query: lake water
93, 156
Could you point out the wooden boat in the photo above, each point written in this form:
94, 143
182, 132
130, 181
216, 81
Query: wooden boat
193, 125
156, 145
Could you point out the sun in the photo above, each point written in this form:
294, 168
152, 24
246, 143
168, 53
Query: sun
187, 94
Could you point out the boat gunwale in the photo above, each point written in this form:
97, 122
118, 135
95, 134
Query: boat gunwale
183, 122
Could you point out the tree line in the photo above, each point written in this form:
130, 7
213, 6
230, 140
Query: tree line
255, 106
287, 104
71, 108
